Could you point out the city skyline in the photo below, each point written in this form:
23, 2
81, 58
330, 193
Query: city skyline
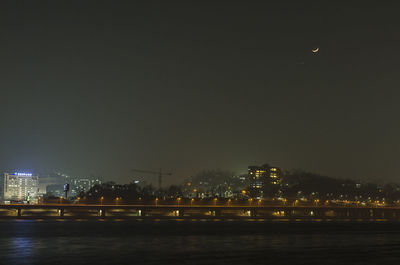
153, 178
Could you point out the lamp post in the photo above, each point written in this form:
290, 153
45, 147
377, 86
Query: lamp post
101, 200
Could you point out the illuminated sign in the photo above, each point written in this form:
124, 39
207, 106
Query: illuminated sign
20, 174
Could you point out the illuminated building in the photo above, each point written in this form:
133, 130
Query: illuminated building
55, 185
264, 181
83, 185
20, 186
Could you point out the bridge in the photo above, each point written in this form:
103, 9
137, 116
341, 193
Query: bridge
28, 211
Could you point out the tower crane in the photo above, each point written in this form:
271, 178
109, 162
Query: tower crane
160, 174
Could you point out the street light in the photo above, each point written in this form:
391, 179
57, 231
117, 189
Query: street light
101, 200
250, 201
116, 200
191, 201
229, 202
179, 200
156, 201
215, 201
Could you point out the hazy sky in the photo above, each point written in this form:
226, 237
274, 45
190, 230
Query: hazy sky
100, 87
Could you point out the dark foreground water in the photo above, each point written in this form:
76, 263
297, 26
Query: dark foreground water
198, 242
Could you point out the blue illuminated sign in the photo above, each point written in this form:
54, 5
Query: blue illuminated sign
21, 174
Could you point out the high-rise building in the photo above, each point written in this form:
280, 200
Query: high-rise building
83, 184
20, 186
264, 181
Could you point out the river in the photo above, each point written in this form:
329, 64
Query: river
197, 242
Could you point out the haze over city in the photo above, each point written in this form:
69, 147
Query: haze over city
98, 88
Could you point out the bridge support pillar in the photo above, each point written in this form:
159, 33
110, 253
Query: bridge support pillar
102, 212
379, 213
19, 212
216, 213
253, 213
392, 214
290, 213
181, 213
318, 213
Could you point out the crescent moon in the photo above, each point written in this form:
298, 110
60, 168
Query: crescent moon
315, 50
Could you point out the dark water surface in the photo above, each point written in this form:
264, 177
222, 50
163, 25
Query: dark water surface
198, 242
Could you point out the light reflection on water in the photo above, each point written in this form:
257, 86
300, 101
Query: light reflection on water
197, 242
21, 249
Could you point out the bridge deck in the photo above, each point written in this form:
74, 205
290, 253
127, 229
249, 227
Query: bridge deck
189, 211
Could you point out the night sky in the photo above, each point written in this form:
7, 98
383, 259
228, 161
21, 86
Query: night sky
100, 87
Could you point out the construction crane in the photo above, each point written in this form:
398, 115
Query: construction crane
160, 174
